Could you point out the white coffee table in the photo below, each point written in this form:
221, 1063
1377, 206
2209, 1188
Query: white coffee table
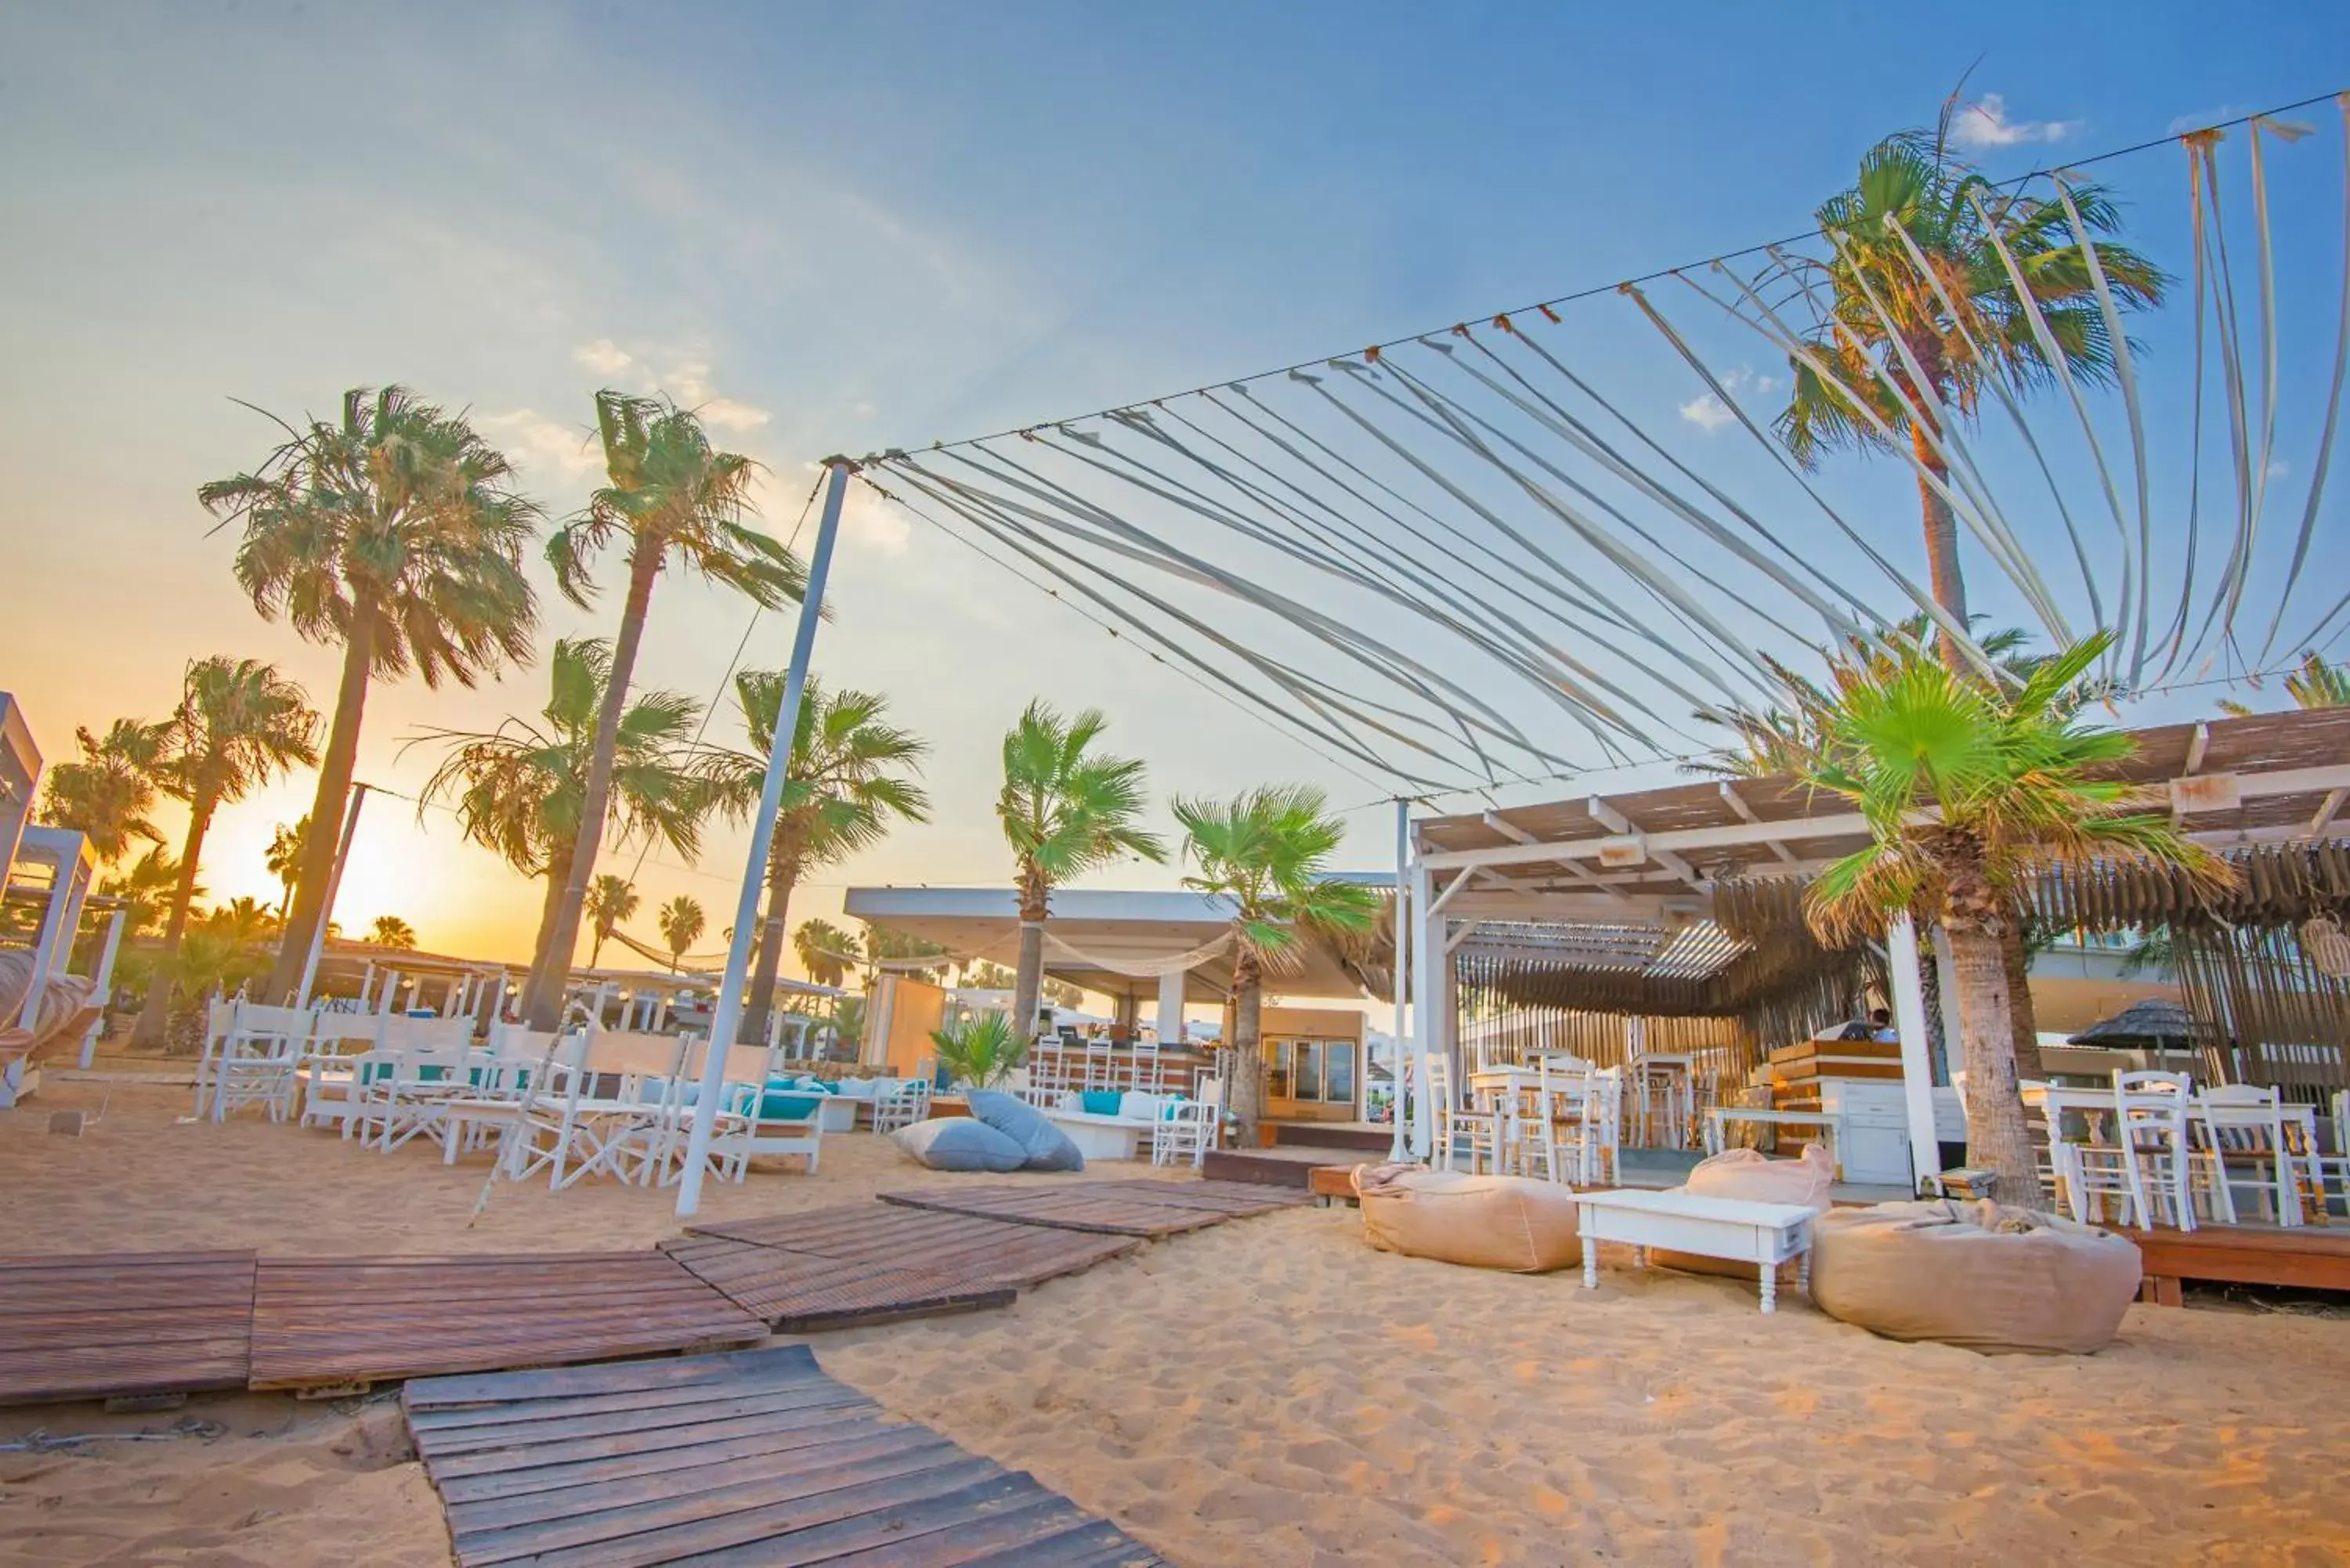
1764, 1234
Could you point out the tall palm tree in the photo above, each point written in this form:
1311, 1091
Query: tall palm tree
610, 901
671, 496
1969, 787
1268, 851
840, 795
240, 724
1939, 355
392, 931
2317, 684
146, 887
394, 531
1065, 810
824, 951
521, 788
284, 860
680, 921
106, 794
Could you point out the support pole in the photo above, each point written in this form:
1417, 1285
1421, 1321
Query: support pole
1398, 1146
725, 1016
1917, 1065
334, 886
105, 981
1431, 1032
1171, 1009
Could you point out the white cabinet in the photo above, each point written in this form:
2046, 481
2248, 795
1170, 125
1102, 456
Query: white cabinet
1875, 1126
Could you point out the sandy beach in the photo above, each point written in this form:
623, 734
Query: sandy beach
1268, 1392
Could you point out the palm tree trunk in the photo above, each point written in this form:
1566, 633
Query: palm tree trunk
158, 1010
782, 874
308, 911
544, 1003
558, 867
1997, 1137
1034, 908
1948, 578
2017, 959
1247, 1084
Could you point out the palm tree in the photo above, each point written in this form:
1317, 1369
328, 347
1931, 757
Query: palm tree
981, 1050
1065, 812
395, 532
840, 795
2317, 684
392, 931
146, 887
520, 788
240, 723
671, 496
680, 921
824, 951
896, 948
245, 918
106, 794
610, 901
284, 860
1969, 788
1939, 355
1267, 850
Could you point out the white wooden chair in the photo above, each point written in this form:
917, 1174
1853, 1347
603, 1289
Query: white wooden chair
2242, 1124
331, 1070
1187, 1130
1603, 1139
259, 1056
1143, 1067
2149, 1166
599, 1111
419, 1064
1557, 1131
1480, 1130
755, 1119
499, 1084
2333, 1167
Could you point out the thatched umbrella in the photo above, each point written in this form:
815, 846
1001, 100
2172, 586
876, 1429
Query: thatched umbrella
2159, 1023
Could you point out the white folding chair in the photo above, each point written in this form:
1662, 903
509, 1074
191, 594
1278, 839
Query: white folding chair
499, 1083
219, 1017
902, 1104
1186, 1130
419, 1064
258, 1058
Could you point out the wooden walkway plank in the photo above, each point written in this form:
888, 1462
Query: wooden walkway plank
124, 1326
798, 1293
577, 1468
991, 1251
325, 1321
1113, 1213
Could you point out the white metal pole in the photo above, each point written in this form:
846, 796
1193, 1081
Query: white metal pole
1916, 1067
334, 886
1398, 1146
725, 1015
1427, 1029
105, 982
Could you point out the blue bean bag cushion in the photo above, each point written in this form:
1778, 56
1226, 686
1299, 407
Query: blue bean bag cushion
958, 1143
1047, 1147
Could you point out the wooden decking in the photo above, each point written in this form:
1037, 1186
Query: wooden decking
2313, 1257
988, 1253
1106, 1208
755, 1457
335, 1320
124, 1326
799, 1293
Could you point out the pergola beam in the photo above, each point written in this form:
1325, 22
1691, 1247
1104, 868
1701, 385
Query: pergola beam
1737, 803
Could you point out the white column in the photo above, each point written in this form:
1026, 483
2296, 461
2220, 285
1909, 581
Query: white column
1946, 985
1431, 1026
104, 984
1400, 959
1171, 1008
1917, 1070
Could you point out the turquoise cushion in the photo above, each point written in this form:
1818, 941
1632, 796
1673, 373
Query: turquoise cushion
779, 1102
813, 1085
1101, 1102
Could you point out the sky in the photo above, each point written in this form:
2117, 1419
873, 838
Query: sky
838, 227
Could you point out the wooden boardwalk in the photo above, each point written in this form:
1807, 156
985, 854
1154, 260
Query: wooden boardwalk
1113, 1209
799, 1293
124, 1326
335, 1320
2309, 1256
991, 1253
754, 1457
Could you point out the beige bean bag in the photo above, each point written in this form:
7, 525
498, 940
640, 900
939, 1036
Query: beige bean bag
1974, 1274
1510, 1222
1754, 1177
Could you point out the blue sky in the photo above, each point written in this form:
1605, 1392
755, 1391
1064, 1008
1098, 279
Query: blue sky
841, 227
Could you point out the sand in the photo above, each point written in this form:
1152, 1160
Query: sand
1269, 1392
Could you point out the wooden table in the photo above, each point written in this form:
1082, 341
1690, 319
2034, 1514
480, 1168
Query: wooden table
1830, 1123
1764, 1234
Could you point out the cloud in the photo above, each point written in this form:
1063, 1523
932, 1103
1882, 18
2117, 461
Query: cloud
1984, 123
2278, 468
1709, 413
2201, 120
689, 382
604, 356
531, 440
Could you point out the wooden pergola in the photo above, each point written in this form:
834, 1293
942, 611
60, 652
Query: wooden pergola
1634, 899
